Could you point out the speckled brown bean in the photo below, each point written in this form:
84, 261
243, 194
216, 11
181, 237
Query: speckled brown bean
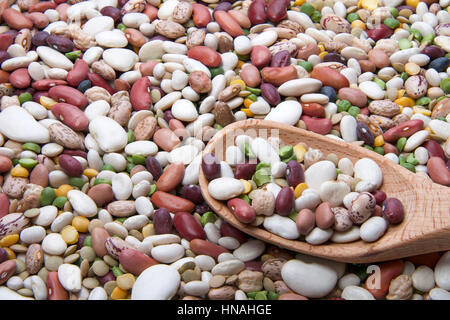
7, 270
102, 194
99, 236
39, 175
305, 221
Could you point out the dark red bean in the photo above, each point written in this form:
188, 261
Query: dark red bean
202, 208
98, 81
364, 133
60, 43
40, 38
223, 6
253, 265
381, 31
106, 278
434, 149
5, 41
210, 166
168, 116
188, 227
285, 201
393, 210
242, 210
227, 230
112, 12
257, 12
3, 255
277, 10
294, 173
334, 57
162, 221
81, 238
71, 166
270, 93
193, 193
46, 84
404, 129
281, 59
379, 195
433, 52
154, 167
245, 170
4, 56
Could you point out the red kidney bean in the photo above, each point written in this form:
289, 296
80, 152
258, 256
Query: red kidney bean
140, 96
16, 19
227, 230
100, 82
438, 171
389, 270
154, 167
71, 116
285, 201
405, 129
121, 85
245, 170
363, 132
69, 95
381, 31
257, 12
5, 41
3, 255
20, 78
46, 84
188, 227
162, 221
253, 265
193, 193
60, 43
78, 73
71, 166
379, 195
277, 10
393, 210
42, 6
171, 177
55, 290
270, 93
210, 166
4, 205
313, 110
112, 12
200, 246
106, 278
281, 58
294, 173
427, 259
260, 55
390, 148
433, 52
171, 202
200, 15
318, 125
135, 261
434, 149
242, 210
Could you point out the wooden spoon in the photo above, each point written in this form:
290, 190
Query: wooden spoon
425, 228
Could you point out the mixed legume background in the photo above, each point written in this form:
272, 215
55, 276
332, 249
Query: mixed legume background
106, 106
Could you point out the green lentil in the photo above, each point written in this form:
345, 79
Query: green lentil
261, 296
152, 190
404, 76
428, 38
108, 167
416, 33
401, 144
218, 127
138, 159
307, 9
208, 217
445, 85
59, 202
368, 147
76, 182
292, 157
101, 181
121, 27
273, 295
27, 163
306, 65
242, 57
380, 82
129, 167
31, 146
352, 17
379, 150
245, 198
216, 71
423, 101
409, 166
404, 44
391, 23
343, 105
248, 151
47, 196
252, 97
354, 111
116, 271
262, 176
255, 91
286, 152
24, 97
73, 55
412, 160
316, 16
130, 136
293, 216
262, 165
394, 12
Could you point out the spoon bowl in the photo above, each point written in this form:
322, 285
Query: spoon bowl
425, 228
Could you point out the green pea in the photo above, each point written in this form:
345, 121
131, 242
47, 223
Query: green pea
208, 217
368, 147
391, 23
343, 105
138, 159
116, 271
252, 294
262, 165
262, 177
121, 27
246, 32
293, 216
31, 146
379, 150
428, 38
412, 160
380, 82
445, 85
404, 76
152, 190
401, 144
272, 295
76, 182
245, 198
24, 97
352, 17
423, 101
261, 296
129, 167
416, 33
216, 71
404, 44
252, 97
108, 167
306, 65
101, 181
47, 196
87, 241
292, 157
409, 166
73, 55
60, 202
354, 111
247, 150
28, 163
255, 91
394, 12
316, 16
286, 152
307, 9
130, 136
218, 127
